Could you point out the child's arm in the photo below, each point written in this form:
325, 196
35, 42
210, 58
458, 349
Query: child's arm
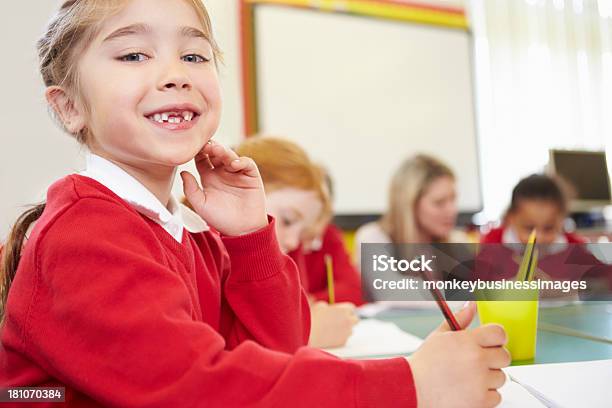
110, 320
263, 299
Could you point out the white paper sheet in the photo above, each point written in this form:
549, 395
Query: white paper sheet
515, 396
373, 337
566, 385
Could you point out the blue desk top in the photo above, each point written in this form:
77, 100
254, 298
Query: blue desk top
592, 317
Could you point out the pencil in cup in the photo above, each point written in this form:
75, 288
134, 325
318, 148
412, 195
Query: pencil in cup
516, 310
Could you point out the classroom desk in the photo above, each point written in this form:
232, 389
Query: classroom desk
592, 317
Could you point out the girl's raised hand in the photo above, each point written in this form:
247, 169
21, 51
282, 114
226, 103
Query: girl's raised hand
232, 199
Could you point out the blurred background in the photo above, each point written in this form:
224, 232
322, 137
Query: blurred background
489, 86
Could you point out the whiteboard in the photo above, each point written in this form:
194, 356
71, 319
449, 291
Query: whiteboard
362, 94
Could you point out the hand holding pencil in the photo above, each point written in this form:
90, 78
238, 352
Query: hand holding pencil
467, 362
332, 323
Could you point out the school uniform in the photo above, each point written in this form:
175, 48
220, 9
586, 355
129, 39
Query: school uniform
506, 235
347, 281
124, 303
566, 259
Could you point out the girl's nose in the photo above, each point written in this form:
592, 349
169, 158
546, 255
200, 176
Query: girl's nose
177, 83
176, 79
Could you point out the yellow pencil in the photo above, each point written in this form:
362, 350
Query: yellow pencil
330, 279
526, 268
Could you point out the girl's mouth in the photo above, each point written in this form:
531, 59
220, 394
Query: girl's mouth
175, 120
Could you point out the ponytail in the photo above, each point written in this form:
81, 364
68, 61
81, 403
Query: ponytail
10, 253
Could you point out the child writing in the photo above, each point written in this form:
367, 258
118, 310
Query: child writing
323, 239
297, 197
115, 299
538, 203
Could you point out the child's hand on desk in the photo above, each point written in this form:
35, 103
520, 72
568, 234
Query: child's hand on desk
233, 199
331, 325
461, 368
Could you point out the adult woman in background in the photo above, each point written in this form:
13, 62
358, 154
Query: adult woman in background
422, 207
422, 210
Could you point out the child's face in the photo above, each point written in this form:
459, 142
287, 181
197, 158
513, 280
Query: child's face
294, 211
314, 232
437, 209
544, 216
150, 62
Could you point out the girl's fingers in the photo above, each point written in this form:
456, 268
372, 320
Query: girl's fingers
203, 162
244, 165
220, 152
195, 195
207, 149
215, 155
497, 357
464, 317
237, 165
204, 167
492, 399
210, 149
496, 379
346, 305
490, 335
229, 156
216, 161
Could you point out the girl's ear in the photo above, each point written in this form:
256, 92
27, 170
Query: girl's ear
72, 116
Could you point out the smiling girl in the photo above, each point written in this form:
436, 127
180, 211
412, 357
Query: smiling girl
120, 301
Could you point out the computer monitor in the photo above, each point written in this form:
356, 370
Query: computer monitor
587, 173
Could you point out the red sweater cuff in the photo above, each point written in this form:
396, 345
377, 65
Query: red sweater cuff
255, 256
386, 383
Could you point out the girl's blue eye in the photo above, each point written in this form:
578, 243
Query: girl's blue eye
134, 57
195, 58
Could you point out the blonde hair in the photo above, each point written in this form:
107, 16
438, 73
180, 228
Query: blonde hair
408, 185
70, 30
283, 163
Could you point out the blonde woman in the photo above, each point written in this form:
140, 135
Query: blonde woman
422, 207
